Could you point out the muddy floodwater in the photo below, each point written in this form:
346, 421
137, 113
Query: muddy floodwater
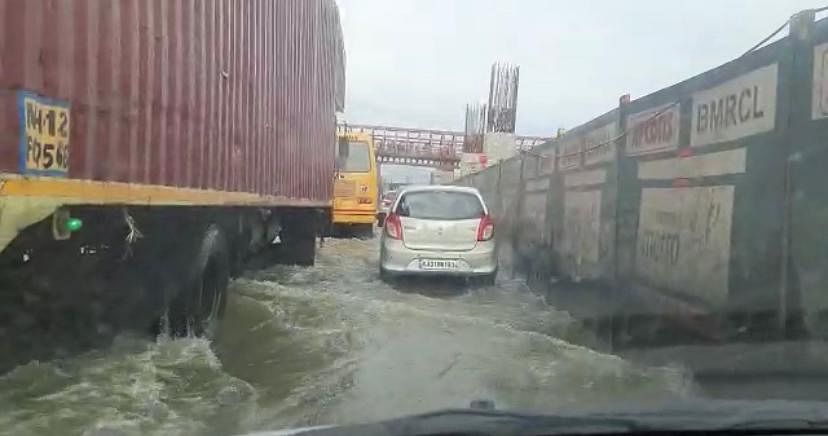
332, 344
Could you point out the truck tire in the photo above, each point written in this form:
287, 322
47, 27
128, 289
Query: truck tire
299, 245
364, 231
198, 308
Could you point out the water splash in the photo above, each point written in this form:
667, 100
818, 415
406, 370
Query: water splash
330, 344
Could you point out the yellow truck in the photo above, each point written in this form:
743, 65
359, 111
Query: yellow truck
356, 187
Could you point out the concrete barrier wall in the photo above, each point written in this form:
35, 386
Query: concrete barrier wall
807, 165
711, 192
708, 186
587, 165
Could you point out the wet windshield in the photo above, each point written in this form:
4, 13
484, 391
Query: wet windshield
228, 217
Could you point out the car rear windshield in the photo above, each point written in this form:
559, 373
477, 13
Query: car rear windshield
440, 205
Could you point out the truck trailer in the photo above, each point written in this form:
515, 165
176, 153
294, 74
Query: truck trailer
148, 151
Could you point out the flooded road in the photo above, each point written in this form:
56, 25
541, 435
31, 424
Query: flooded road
331, 344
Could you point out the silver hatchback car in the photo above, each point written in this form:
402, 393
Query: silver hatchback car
439, 230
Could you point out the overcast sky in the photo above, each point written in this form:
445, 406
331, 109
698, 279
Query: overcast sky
416, 63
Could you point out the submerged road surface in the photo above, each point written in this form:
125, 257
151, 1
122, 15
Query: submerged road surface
331, 344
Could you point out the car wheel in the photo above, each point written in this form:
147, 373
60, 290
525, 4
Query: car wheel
299, 244
301, 250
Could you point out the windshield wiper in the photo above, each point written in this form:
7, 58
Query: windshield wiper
793, 424
485, 422
475, 422
708, 417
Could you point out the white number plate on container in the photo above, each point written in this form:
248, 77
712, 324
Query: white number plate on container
438, 264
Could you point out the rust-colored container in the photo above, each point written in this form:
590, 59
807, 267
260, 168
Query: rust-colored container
229, 95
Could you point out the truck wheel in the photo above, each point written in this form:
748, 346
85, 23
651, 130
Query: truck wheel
199, 307
364, 231
299, 246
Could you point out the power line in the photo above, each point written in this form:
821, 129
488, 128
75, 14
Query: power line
767, 38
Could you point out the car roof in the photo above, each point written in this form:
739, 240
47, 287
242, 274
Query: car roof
444, 188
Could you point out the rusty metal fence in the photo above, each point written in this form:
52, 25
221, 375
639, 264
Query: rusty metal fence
706, 200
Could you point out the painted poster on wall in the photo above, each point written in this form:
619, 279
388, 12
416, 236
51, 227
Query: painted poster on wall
740, 107
683, 241
819, 101
653, 131
599, 145
533, 217
582, 222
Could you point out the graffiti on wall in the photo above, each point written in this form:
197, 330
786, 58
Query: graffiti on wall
683, 241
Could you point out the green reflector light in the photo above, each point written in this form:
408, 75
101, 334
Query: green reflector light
74, 224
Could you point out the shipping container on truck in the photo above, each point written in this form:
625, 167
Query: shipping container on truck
148, 150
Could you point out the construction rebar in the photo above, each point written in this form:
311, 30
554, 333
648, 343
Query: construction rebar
475, 128
503, 92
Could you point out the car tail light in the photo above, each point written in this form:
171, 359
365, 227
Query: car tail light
485, 230
393, 226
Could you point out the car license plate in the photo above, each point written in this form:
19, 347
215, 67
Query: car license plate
438, 264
